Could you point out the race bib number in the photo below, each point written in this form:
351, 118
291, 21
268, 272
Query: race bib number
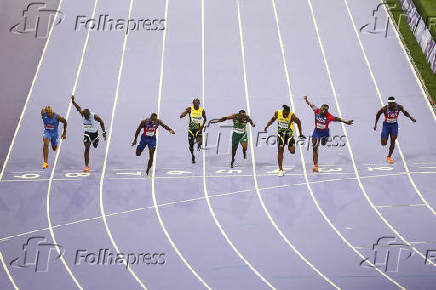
391, 120
320, 126
87, 126
239, 130
283, 125
197, 120
150, 133
49, 127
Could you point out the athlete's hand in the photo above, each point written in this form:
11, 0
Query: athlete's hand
253, 125
413, 119
213, 121
172, 131
72, 98
305, 98
64, 135
302, 136
104, 136
266, 129
375, 127
134, 142
349, 122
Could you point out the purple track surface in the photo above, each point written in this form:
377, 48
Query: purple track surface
218, 228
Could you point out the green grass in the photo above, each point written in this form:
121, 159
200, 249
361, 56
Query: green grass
415, 50
427, 10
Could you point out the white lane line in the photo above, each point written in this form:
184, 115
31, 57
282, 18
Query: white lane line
362, 188
206, 194
31, 90
413, 68
50, 182
5, 267
253, 161
303, 162
153, 178
379, 94
400, 205
108, 142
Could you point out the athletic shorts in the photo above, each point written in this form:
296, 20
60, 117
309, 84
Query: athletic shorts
89, 138
322, 135
239, 138
146, 141
388, 129
286, 139
53, 136
194, 134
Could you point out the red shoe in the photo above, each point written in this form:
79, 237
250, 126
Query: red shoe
315, 168
390, 160
86, 169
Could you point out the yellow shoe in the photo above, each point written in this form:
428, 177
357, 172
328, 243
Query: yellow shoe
390, 160
45, 165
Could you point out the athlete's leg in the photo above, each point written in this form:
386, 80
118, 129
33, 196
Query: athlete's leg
280, 156
45, 150
86, 154
291, 145
392, 146
54, 142
150, 159
199, 140
234, 149
315, 145
244, 149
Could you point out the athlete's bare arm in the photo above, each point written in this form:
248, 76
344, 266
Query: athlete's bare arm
42, 113
297, 121
406, 113
273, 119
62, 120
138, 130
100, 120
337, 119
165, 127
251, 122
188, 109
204, 120
309, 103
78, 108
377, 116
223, 119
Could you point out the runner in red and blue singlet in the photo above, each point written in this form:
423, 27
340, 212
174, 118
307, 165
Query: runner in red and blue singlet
148, 137
390, 125
322, 131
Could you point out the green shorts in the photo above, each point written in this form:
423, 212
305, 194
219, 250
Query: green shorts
239, 138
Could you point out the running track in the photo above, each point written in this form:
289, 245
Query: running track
219, 228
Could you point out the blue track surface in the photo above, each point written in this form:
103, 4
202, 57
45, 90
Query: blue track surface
222, 228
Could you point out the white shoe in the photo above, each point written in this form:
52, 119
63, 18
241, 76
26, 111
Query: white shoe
281, 173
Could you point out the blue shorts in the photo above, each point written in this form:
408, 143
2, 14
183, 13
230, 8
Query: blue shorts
53, 136
320, 134
388, 129
146, 141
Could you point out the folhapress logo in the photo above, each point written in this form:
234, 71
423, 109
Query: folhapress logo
37, 20
37, 253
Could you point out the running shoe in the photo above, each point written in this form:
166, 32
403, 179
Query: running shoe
86, 169
281, 173
390, 160
315, 168
45, 165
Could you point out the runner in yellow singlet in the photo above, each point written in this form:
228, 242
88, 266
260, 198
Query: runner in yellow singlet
285, 134
197, 119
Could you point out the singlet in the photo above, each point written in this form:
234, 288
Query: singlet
322, 121
150, 128
285, 125
391, 116
239, 127
89, 125
195, 118
50, 124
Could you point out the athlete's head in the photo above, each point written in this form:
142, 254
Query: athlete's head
86, 114
286, 110
49, 111
241, 114
324, 109
153, 117
391, 102
196, 102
